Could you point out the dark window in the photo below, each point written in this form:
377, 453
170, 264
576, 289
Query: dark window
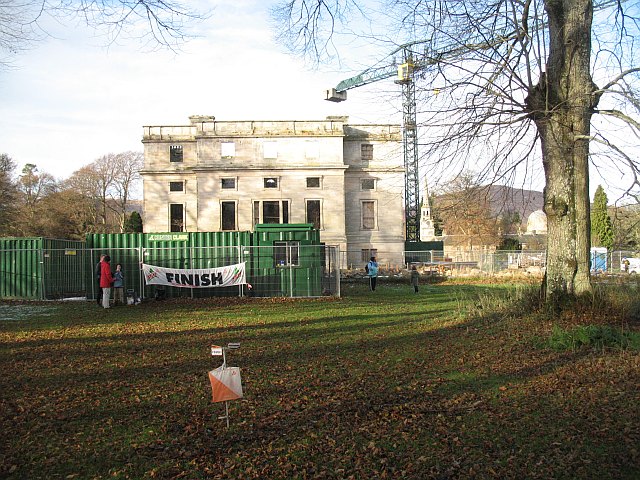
228, 215
271, 182
286, 253
256, 213
313, 213
271, 212
367, 253
176, 186
229, 183
175, 153
176, 212
313, 182
368, 184
366, 151
368, 215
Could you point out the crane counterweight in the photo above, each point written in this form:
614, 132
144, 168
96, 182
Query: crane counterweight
334, 96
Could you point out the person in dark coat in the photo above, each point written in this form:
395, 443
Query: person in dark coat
97, 273
415, 278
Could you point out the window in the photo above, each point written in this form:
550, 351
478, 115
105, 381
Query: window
228, 215
313, 213
228, 183
312, 149
175, 153
286, 253
271, 182
176, 186
367, 253
176, 217
313, 182
366, 152
271, 211
368, 215
367, 184
228, 150
270, 149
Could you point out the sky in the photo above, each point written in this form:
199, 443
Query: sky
71, 99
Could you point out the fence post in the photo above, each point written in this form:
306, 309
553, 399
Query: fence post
141, 251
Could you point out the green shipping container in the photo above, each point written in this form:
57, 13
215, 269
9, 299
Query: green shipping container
290, 258
38, 268
169, 249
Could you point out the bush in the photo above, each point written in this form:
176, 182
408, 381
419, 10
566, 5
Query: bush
595, 336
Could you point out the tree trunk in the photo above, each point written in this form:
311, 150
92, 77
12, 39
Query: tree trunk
561, 105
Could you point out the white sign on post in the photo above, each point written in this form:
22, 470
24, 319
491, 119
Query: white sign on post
216, 351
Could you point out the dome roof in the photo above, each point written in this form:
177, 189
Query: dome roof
537, 222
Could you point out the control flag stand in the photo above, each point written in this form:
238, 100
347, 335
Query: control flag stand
226, 383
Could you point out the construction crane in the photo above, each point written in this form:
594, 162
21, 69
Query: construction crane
411, 62
404, 71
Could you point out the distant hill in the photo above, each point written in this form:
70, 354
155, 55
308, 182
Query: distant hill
503, 199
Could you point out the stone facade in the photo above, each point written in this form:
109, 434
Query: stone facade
228, 175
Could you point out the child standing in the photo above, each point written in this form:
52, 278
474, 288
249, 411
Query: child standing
415, 278
118, 285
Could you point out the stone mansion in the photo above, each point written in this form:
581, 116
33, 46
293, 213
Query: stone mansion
347, 180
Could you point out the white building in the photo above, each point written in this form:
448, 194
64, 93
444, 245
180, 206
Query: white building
229, 175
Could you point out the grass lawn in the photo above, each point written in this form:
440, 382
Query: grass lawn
373, 385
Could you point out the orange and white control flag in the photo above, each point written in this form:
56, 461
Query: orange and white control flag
226, 384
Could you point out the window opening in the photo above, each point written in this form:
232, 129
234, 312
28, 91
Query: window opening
228, 214
176, 186
227, 150
368, 215
368, 184
366, 152
270, 149
229, 183
367, 253
313, 182
313, 213
286, 253
175, 153
271, 182
176, 217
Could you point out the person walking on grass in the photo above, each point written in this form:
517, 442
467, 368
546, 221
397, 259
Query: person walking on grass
118, 285
106, 280
415, 278
372, 273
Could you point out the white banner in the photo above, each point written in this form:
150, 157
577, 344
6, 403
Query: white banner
195, 277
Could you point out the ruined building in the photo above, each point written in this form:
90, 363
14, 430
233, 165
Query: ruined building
214, 175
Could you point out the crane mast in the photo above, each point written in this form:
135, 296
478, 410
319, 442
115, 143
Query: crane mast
410, 151
405, 79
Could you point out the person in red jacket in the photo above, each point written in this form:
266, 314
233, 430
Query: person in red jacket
106, 280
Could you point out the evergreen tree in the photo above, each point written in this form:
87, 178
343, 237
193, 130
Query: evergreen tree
601, 226
8, 194
133, 223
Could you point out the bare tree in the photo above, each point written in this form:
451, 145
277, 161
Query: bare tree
33, 187
84, 187
468, 221
156, 22
104, 189
126, 179
511, 82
